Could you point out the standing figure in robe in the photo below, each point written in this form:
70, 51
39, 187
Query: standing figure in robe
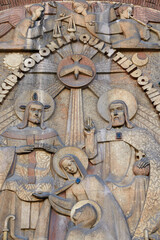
27, 171
125, 156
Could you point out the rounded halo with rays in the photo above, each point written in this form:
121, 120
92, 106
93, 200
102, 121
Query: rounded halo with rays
76, 71
88, 52
84, 202
42, 97
13, 60
116, 94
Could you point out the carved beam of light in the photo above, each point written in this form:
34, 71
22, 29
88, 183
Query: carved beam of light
75, 124
55, 88
7, 118
88, 51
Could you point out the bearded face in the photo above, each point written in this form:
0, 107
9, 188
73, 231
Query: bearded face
117, 114
35, 113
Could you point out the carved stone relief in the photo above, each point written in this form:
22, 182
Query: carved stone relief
79, 113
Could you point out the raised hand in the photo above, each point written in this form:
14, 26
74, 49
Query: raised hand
89, 125
144, 162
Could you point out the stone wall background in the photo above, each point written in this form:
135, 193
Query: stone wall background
5, 4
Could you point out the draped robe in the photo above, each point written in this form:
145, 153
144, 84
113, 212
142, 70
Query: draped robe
24, 174
115, 159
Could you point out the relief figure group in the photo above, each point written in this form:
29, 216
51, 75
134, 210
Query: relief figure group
97, 182
114, 24
36, 153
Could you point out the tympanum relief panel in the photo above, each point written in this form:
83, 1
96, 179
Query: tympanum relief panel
79, 113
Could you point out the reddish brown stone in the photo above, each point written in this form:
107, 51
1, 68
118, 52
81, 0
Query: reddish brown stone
5, 4
141, 55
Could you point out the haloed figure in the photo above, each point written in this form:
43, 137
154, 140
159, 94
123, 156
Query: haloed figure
33, 116
85, 216
81, 186
68, 164
117, 146
33, 144
35, 113
119, 114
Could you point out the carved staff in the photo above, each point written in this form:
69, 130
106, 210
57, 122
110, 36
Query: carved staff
149, 26
63, 18
6, 229
146, 236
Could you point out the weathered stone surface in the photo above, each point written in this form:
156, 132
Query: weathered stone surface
79, 114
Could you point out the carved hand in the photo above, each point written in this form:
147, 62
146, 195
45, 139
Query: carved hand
41, 195
147, 34
24, 149
89, 125
144, 162
50, 148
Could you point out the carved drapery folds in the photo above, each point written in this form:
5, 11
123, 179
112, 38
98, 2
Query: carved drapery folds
79, 114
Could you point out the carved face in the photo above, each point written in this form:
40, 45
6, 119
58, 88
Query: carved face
79, 7
35, 113
39, 12
69, 165
79, 217
117, 114
126, 13
85, 216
